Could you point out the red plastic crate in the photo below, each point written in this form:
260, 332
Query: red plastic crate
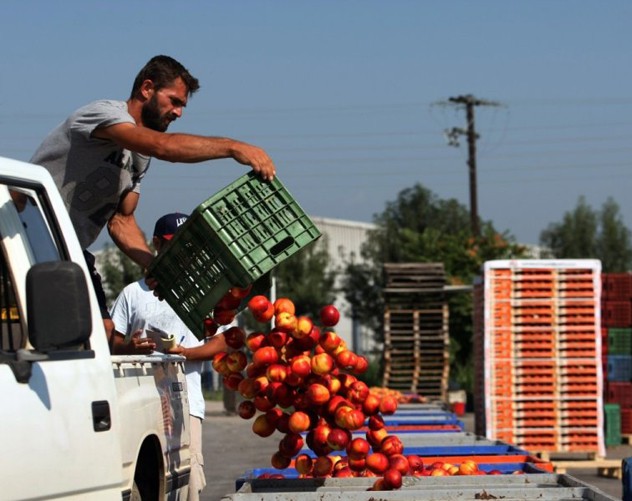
619, 392
626, 421
617, 286
616, 313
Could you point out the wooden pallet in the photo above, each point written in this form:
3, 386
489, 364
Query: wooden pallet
609, 468
416, 337
414, 277
414, 284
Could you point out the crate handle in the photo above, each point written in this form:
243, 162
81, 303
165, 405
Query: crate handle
282, 245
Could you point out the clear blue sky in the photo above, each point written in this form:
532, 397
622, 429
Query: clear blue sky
345, 96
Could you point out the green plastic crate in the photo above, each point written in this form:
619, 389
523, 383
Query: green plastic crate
619, 341
235, 238
612, 428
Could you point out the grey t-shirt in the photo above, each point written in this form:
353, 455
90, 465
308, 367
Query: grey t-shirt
91, 173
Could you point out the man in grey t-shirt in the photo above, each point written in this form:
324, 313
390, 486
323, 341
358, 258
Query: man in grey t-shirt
100, 154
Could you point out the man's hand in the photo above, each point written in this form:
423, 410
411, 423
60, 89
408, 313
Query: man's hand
257, 158
152, 285
176, 350
140, 345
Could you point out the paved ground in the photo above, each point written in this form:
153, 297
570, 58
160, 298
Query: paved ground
231, 448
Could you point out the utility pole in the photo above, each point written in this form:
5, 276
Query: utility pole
469, 102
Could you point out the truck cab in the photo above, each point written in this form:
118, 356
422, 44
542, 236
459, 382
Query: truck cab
77, 423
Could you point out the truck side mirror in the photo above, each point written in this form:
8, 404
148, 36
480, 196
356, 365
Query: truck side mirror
58, 306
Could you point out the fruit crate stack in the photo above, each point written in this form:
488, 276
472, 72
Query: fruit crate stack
616, 331
416, 339
538, 365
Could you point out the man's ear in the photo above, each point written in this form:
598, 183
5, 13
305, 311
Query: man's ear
147, 89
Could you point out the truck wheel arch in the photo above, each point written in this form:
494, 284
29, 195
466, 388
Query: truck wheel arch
149, 474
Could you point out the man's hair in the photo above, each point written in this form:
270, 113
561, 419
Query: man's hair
162, 71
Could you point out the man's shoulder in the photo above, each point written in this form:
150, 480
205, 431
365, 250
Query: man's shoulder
105, 103
103, 108
138, 287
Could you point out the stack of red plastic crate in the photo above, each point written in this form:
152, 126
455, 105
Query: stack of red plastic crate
538, 355
616, 321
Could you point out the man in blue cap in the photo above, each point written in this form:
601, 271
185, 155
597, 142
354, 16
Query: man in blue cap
137, 310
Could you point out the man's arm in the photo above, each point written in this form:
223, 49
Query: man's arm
126, 233
187, 148
136, 345
205, 351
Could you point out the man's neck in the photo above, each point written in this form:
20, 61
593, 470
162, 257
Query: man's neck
134, 107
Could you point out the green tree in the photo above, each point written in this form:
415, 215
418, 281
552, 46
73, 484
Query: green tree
585, 233
420, 227
307, 278
117, 271
575, 236
614, 247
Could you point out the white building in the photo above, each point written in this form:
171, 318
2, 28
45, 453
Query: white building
344, 240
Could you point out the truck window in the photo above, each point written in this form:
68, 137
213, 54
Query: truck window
41, 245
11, 333
31, 212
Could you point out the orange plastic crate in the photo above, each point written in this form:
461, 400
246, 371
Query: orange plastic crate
588, 414
578, 405
576, 293
393, 429
534, 389
534, 384
522, 417
579, 422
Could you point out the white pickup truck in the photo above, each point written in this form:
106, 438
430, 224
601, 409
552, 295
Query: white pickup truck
76, 422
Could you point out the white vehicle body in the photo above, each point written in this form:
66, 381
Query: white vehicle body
77, 423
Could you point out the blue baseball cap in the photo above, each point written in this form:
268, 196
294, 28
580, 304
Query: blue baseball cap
168, 224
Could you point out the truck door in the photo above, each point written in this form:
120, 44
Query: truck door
57, 410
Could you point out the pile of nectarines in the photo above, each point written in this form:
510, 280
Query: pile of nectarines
299, 378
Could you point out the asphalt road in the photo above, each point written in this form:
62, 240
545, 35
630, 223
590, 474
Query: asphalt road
231, 448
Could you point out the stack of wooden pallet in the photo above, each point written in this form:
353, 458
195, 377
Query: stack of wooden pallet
416, 357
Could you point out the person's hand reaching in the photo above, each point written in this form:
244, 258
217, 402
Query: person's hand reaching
140, 345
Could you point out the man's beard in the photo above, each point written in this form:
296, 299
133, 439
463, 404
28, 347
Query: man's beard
151, 117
